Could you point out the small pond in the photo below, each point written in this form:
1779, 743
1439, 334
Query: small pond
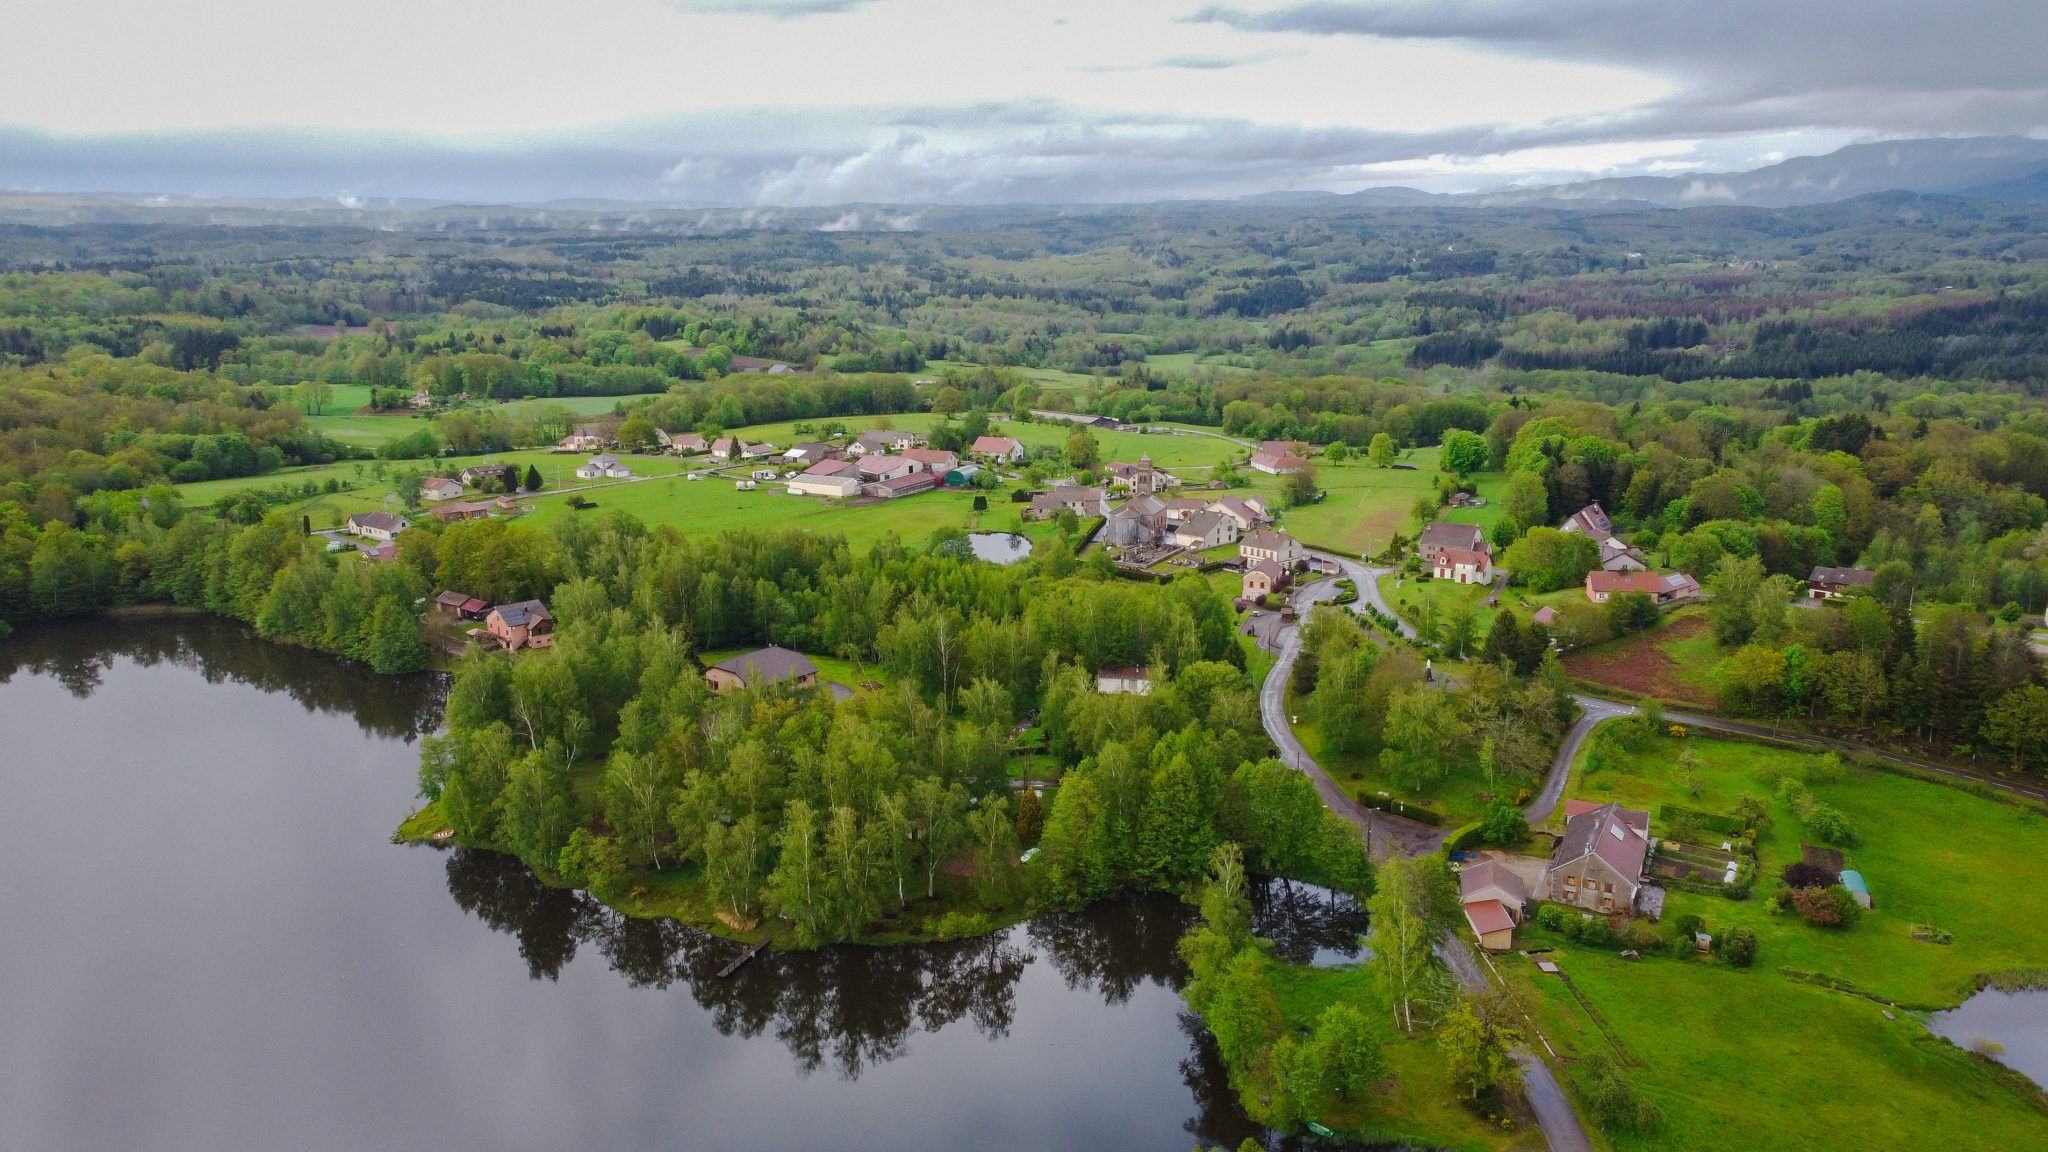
2016, 1021
999, 547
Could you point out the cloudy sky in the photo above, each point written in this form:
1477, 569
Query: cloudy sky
835, 101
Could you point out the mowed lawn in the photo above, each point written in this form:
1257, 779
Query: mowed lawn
1674, 661
343, 417
1818, 1068
1181, 450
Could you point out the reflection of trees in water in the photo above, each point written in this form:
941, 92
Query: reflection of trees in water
1115, 947
850, 1007
1301, 918
79, 654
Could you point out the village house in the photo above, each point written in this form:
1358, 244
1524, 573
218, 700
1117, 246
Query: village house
1440, 535
440, 488
1206, 530
1001, 449
506, 505
1616, 555
1262, 577
604, 467
487, 476
771, 665
1590, 521
907, 484
423, 399
460, 606
1279, 457
1599, 863
725, 448
524, 624
1825, 583
1269, 544
834, 479
382, 553
1080, 501
1180, 511
1464, 566
377, 525
759, 451
1466, 500
1249, 511
1137, 681
1665, 588
810, 452
456, 510
882, 440
932, 459
1545, 616
687, 444
583, 439
1494, 898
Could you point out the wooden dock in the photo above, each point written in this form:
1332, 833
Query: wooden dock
742, 958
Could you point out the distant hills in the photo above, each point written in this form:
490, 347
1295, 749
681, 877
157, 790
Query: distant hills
2011, 168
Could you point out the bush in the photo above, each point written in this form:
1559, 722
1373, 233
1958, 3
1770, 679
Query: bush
1805, 874
1551, 917
1639, 934
1611, 1098
1828, 823
1826, 907
1738, 947
1688, 926
1503, 824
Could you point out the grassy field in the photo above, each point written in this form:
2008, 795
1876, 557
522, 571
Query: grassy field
1366, 506
365, 493
343, 418
1816, 1063
1421, 1101
1673, 661
1456, 799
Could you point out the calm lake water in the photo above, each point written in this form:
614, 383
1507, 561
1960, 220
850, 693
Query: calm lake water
999, 547
210, 943
2016, 1020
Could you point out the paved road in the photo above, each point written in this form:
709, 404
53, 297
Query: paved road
1594, 711
1384, 833
1367, 577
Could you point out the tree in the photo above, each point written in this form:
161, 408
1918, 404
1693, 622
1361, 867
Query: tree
994, 834
314, 395
637, 433
1339, 1061
1338, 452
938, 811
732, 865
2019, 720
1464, 452
1423, 731
1503, 640
1627, 612
1458, 627
1610, 1096
795, 887
1738, 946
533, 480
1082, 450
1525, 500
947, 401
1381, 451
395, 644
1732, 593
1547, 559
1400, 935
1478, 1045
1299, 486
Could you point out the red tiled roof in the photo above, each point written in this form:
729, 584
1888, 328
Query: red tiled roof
1488, 916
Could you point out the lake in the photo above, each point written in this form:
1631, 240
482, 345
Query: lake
2016, 1021
210, 943
999, 547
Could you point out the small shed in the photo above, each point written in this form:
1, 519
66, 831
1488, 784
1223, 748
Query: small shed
1860, 891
